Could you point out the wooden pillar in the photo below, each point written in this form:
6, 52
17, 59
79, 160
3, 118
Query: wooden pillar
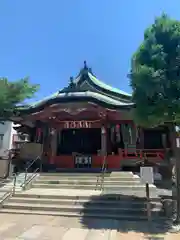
38, 134
50, 145
103, 141
58, 142
172, 138
54, 142
141, 144
104, 147
108, 140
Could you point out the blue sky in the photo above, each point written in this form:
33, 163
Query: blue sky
49, 40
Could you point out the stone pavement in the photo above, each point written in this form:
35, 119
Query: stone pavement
36, 227
31, 227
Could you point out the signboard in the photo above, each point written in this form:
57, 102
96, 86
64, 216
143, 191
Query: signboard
83, 160
77, 124
147, 175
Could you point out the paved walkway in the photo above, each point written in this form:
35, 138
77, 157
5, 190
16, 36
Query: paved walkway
31, 227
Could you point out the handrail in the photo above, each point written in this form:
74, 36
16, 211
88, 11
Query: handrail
10, 192
37, 158
102, 173
25, 183
101, 176
27, 168
145, 160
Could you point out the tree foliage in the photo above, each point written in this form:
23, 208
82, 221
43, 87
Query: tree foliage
155, 74
13, 94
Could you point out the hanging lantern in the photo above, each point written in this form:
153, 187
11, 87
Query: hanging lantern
117, 126
103, 130
52, 131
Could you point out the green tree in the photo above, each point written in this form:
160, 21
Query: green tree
14, 93
155, 80
155, 74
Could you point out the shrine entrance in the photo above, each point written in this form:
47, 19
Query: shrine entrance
81, 144
83, 141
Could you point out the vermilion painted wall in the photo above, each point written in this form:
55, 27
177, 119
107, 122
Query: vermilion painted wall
113, 161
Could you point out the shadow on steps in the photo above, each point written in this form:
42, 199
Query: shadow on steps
125, 213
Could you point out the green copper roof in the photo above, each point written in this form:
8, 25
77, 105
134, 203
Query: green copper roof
106, 86
54, 95
96, 95
87, 86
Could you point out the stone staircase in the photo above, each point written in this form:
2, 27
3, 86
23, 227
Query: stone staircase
74, 195
113, 182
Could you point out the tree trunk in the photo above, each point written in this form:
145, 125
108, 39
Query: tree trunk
175, 173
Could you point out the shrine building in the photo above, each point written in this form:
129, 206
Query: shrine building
89, 121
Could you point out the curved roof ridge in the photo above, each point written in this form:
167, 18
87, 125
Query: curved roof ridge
86, 94
95, 95
106, 86
53, 95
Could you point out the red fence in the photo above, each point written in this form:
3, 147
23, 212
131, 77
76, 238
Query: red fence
113, 161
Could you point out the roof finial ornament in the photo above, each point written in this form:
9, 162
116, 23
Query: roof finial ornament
85, 65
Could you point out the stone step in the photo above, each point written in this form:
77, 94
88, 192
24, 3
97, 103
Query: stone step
112, 179
131, 193
86, 182
10, 189
128, 175
138, 187
49, 193
87, 176
80, 208
86, 202
104, 197
4, 181
128, 217
73, 175
118, 173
